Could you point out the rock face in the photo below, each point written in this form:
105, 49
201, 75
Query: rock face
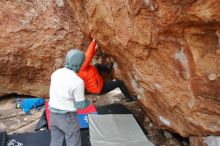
34, 38
167, 52
204, 141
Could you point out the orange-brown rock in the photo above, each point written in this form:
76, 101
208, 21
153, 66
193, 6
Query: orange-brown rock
167, 51
35, 36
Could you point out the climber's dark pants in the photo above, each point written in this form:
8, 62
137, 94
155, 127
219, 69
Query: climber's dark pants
111, 85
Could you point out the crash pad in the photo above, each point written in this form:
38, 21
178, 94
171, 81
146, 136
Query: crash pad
82, 115
116, 130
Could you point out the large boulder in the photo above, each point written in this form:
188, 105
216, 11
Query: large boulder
35, 36
167, 52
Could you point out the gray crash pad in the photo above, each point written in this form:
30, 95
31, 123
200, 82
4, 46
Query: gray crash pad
116, 130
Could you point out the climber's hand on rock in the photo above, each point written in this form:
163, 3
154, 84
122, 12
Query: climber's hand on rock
96, 46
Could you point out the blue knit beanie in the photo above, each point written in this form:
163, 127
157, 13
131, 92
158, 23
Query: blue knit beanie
74, 60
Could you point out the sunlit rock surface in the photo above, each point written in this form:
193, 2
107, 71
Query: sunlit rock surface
34, 38
167, 52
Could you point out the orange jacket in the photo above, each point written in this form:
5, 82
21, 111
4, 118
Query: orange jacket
89, 73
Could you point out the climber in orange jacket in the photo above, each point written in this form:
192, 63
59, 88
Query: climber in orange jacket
93, 81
